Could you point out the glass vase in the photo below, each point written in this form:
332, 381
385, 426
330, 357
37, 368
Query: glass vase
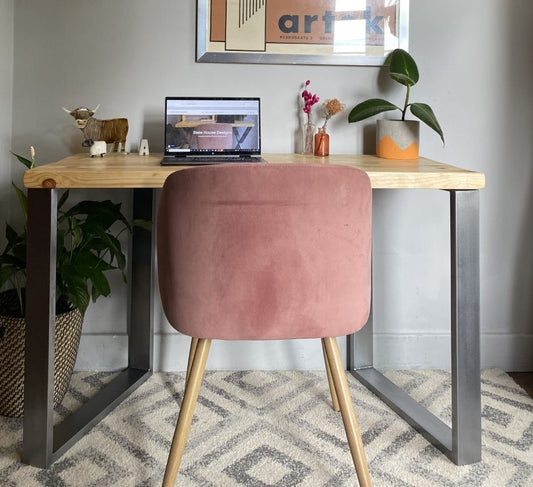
321, 143
308, 134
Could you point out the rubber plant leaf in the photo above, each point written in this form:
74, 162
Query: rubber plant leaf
369, 108
425, 113
403, 68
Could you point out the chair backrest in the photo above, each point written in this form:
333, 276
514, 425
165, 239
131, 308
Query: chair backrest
265, 251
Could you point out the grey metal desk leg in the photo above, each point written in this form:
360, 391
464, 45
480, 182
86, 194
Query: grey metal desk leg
360, 346
466, 374
44, 443
140, 321
40, 327
462, 442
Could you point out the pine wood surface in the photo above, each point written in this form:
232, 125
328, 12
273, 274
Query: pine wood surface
134, 171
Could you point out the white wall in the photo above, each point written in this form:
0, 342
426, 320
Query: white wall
476, 69
6, 104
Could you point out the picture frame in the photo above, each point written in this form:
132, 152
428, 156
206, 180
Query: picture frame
331, 32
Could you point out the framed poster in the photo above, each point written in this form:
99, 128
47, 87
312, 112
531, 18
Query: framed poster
347, 32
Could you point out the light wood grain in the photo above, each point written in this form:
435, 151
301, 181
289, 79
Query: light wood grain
190, 397
351, 426
134, 171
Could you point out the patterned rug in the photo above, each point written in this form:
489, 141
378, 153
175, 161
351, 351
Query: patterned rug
256, 428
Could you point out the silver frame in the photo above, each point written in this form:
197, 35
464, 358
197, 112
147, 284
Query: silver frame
205, 56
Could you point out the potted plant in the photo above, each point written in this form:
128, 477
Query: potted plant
88, 246
398, 139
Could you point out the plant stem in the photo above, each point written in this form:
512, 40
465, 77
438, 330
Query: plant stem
18, 288
320, 147
406, 104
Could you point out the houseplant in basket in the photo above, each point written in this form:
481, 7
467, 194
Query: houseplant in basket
88, 246
398, 139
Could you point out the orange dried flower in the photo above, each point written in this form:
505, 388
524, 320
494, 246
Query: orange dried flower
330, 108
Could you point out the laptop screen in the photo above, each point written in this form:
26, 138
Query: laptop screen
204, 126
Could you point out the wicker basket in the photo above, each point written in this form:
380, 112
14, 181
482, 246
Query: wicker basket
12, 338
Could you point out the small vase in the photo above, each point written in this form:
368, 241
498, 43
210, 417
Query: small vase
321, 143
307, 138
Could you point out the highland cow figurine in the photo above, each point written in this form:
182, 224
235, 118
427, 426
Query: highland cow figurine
113, 131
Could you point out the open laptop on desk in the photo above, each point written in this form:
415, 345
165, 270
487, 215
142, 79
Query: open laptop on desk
212, 130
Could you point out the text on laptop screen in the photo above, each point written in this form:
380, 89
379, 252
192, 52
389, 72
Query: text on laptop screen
212, 126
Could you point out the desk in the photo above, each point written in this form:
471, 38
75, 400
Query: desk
43, 443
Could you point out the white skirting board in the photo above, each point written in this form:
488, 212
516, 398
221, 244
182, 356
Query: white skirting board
109, 352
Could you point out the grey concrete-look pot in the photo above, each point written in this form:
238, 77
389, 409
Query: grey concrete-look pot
397, 139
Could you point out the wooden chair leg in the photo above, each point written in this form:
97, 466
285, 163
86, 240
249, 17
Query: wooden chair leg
192, 351
347, 411
190, 397
334, 398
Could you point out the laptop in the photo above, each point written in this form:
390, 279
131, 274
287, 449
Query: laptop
209, 130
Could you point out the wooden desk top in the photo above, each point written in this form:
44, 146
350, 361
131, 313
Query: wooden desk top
134, 171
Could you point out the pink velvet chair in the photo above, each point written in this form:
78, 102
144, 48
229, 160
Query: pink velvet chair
265, 252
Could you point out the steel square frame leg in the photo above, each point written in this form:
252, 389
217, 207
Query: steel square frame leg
43, 443
462, 442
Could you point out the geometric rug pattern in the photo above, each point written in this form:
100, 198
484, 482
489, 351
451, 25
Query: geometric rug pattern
277, 428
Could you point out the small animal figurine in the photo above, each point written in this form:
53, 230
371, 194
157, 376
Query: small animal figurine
113, 131
98, 148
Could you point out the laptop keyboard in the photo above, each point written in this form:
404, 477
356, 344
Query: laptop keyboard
209, 160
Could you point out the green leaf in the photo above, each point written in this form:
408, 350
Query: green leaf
76, 233
75, 287
61, 251
100, 285
87, 248
11, 234
116, 251
105, 213
88, 262
403, 68
19, 252
78, 296
63, 199
144, 224
23, 160
425, 113
14, 253
7, 273
11, 260
23, 200
369, 108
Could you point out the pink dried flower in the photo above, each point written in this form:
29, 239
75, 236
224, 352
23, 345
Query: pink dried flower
309, 99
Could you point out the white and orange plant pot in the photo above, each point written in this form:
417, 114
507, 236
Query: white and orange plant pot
397, 139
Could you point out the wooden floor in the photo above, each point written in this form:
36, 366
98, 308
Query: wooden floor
525, 380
